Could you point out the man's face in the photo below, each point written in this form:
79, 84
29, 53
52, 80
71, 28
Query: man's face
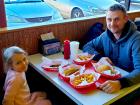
116, 21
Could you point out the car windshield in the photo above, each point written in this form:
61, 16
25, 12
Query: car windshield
20, 1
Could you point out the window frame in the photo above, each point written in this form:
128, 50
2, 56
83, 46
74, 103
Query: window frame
3, 22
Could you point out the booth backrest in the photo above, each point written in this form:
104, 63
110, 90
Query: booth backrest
2, 80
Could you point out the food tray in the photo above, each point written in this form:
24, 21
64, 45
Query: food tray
53, 65
91, 76
63, 68
87, 58
85, 89
112, 77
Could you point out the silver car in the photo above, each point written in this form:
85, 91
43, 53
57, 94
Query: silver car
81, 8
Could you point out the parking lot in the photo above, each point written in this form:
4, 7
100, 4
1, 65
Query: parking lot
135, 6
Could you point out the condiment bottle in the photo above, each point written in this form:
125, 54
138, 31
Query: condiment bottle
66, 49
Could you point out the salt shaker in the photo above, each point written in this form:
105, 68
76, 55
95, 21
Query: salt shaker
66, 49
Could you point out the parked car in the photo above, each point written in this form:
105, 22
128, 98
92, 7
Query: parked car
132, 1
23, 12
81, 8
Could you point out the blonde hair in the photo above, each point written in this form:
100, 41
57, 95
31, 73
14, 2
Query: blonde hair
8, 53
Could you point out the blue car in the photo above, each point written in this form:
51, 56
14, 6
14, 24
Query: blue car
81, 8
25, 12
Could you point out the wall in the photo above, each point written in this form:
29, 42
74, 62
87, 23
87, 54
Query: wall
27, 38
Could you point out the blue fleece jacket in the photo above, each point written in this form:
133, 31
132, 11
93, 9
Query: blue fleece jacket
124, 53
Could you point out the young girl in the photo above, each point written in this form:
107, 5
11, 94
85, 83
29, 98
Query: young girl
16, 88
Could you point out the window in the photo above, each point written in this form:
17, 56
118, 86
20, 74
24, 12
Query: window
130, 5
80, 8
25, 12
38, 12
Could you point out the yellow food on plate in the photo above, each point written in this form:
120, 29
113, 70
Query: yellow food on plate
103, 68
84, 57
84, 77
55, 65
70, 71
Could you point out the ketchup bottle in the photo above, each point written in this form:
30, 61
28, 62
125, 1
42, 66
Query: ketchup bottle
66, 49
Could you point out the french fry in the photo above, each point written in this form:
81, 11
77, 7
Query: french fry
79, 79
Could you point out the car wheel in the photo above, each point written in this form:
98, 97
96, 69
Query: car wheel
77, 12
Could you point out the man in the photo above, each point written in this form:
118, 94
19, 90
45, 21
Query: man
118, 45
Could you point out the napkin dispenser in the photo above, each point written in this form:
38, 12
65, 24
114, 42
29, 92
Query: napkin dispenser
48, 47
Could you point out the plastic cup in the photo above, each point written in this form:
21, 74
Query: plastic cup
74, 47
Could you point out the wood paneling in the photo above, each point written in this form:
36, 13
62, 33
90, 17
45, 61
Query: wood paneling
27, 38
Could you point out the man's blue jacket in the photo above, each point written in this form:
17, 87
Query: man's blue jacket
124, 53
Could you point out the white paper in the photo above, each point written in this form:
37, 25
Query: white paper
47, 36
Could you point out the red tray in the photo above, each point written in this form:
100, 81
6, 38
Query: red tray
80, 90
84, 62
112, 77
53, 69
46, 65
84, 90
66, 79
93, 87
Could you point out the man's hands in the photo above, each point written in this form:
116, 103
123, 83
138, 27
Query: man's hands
110, 86
106, 61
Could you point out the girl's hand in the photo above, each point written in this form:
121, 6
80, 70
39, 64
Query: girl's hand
38, 95
110, 86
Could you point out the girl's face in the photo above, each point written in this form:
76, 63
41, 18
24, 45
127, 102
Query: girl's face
19, 62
